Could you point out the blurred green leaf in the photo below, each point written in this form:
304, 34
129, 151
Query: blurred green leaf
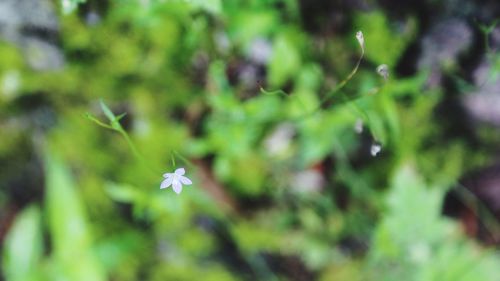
285, 61
107, 111
122, 193
381, 36
246, 25
213, 6
22, 251
69, 230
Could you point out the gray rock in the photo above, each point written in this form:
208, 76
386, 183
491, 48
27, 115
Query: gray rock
483, 104
10, 20
38, 13
260, 51
442, 45
26, 24
42, 55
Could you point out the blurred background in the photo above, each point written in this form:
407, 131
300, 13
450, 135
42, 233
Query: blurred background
304, 165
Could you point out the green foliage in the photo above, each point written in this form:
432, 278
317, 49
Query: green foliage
282, 179
381, 36
415, 243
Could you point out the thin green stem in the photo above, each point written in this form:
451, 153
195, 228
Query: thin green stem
183, 159
344, 82
282, 93
328, 96
97, 121
116, 126
172, 158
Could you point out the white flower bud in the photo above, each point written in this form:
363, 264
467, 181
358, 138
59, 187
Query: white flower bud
383, 70
375, 149
361, 39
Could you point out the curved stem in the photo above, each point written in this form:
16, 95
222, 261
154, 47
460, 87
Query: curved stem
328, 96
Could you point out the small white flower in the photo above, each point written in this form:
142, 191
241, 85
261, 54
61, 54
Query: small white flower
176, 180
375, 149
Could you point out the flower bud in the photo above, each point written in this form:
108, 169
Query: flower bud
383, 70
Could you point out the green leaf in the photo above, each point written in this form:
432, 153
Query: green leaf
246, 25
113, 119
212, 6
23, 246
111, 116
70, 234
384, 44
123, 193
119, 117
285, 61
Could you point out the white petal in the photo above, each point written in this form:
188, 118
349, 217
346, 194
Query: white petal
180, 171
177, 186
166, 183
185, 180
167, 175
